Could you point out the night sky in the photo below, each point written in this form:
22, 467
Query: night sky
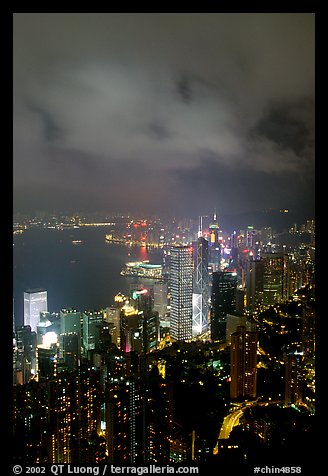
164, 113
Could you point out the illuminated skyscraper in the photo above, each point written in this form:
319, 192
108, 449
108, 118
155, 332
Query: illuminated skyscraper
35, 301
160, 298
200, 294
275, 277
149, 323
243, 361
214, 245
223, 301
181, 275
90, 321
308, 332
293, 379
254, 284
70, 322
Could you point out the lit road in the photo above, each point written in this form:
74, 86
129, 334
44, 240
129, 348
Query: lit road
232, 419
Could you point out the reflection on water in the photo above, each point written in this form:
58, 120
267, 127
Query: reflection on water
83, 277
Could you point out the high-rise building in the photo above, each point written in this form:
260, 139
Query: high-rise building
200, 294
70, 321
35, 301
47, 359
89, 332
26, 357
275, 277
181, 274
70, 350
112, 317
123, 417
160, 298
70, 338
149, 318
214, 251
130, 329
308, 332
235, 321
293, 379
243, 361
223, 301
254, 284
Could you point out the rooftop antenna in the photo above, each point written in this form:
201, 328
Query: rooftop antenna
200, 226
214, 214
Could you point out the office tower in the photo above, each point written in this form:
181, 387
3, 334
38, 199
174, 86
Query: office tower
243, 361
214, 252
70, 338
160, 298
235, 321
181, 274
35, 301
49, 322
240, 300
26, 358
223, 301
47, 360
70, 350
112, 317
254, 284
200, 291
130, 329
149, 324
275, 278
293, 379
90, 320
308, 332
70, 321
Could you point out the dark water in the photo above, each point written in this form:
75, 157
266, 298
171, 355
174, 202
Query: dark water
85, 276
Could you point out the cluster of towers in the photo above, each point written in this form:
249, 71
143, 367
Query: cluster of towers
86, 388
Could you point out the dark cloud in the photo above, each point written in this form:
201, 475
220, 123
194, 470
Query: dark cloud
184, 89
290, 126
51, 129
158, 131
163, 111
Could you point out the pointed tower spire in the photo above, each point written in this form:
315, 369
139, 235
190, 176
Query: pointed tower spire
200, 226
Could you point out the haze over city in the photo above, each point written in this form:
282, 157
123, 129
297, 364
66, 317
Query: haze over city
164, 112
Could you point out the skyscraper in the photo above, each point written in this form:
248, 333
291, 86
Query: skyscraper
254, 284
223, 301
70, 321
200, 294
293, 379
90, 321
275, 278
243, 361
160, 298
35, 301
308, 332
214, 245
181, 274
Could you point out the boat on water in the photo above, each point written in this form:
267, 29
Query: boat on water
77, 242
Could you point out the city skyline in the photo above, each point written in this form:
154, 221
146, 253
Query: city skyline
183, 111
164, 242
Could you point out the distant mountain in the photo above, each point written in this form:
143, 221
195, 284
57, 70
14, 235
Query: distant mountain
277, 219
